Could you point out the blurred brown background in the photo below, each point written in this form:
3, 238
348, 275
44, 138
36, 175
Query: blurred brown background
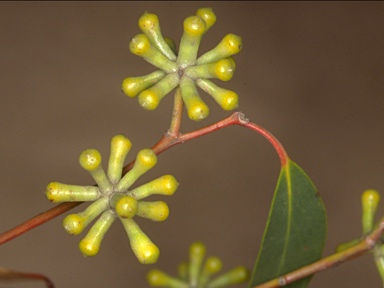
310, 72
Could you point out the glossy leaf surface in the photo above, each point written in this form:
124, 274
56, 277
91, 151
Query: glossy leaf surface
296, 228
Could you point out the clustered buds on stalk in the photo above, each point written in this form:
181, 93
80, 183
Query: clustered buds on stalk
195, 274
113, 199
369, 201
112, 195
183, 69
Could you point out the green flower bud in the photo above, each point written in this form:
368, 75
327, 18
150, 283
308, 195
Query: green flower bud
141, 46
155, 211
171, 44
90, 245
58, 192
235, 276
150, 98
164, 185
120, 146
227, 99
126, 206
132, 86
369, 200
90, 160
149, 24
222, 69
197, 109
182, 270
208, 16
194, 28
196, 257
145, 251
157, 278
212, 265
74, 224
230, 45
145, 160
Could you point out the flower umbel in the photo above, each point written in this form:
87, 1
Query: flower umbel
112, 199
183, 69
195, 274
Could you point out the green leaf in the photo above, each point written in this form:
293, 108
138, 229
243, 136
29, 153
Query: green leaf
296, 228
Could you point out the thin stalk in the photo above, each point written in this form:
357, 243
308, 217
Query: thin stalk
11, 276
177, 113
272, 139
37, 221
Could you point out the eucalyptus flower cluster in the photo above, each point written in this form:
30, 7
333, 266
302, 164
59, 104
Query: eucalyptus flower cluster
198, 274
183, 69
112, 198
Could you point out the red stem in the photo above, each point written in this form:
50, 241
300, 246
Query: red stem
10, 275
37, 221
272, 139
236, 118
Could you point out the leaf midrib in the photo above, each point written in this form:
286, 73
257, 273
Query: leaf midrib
288, 230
